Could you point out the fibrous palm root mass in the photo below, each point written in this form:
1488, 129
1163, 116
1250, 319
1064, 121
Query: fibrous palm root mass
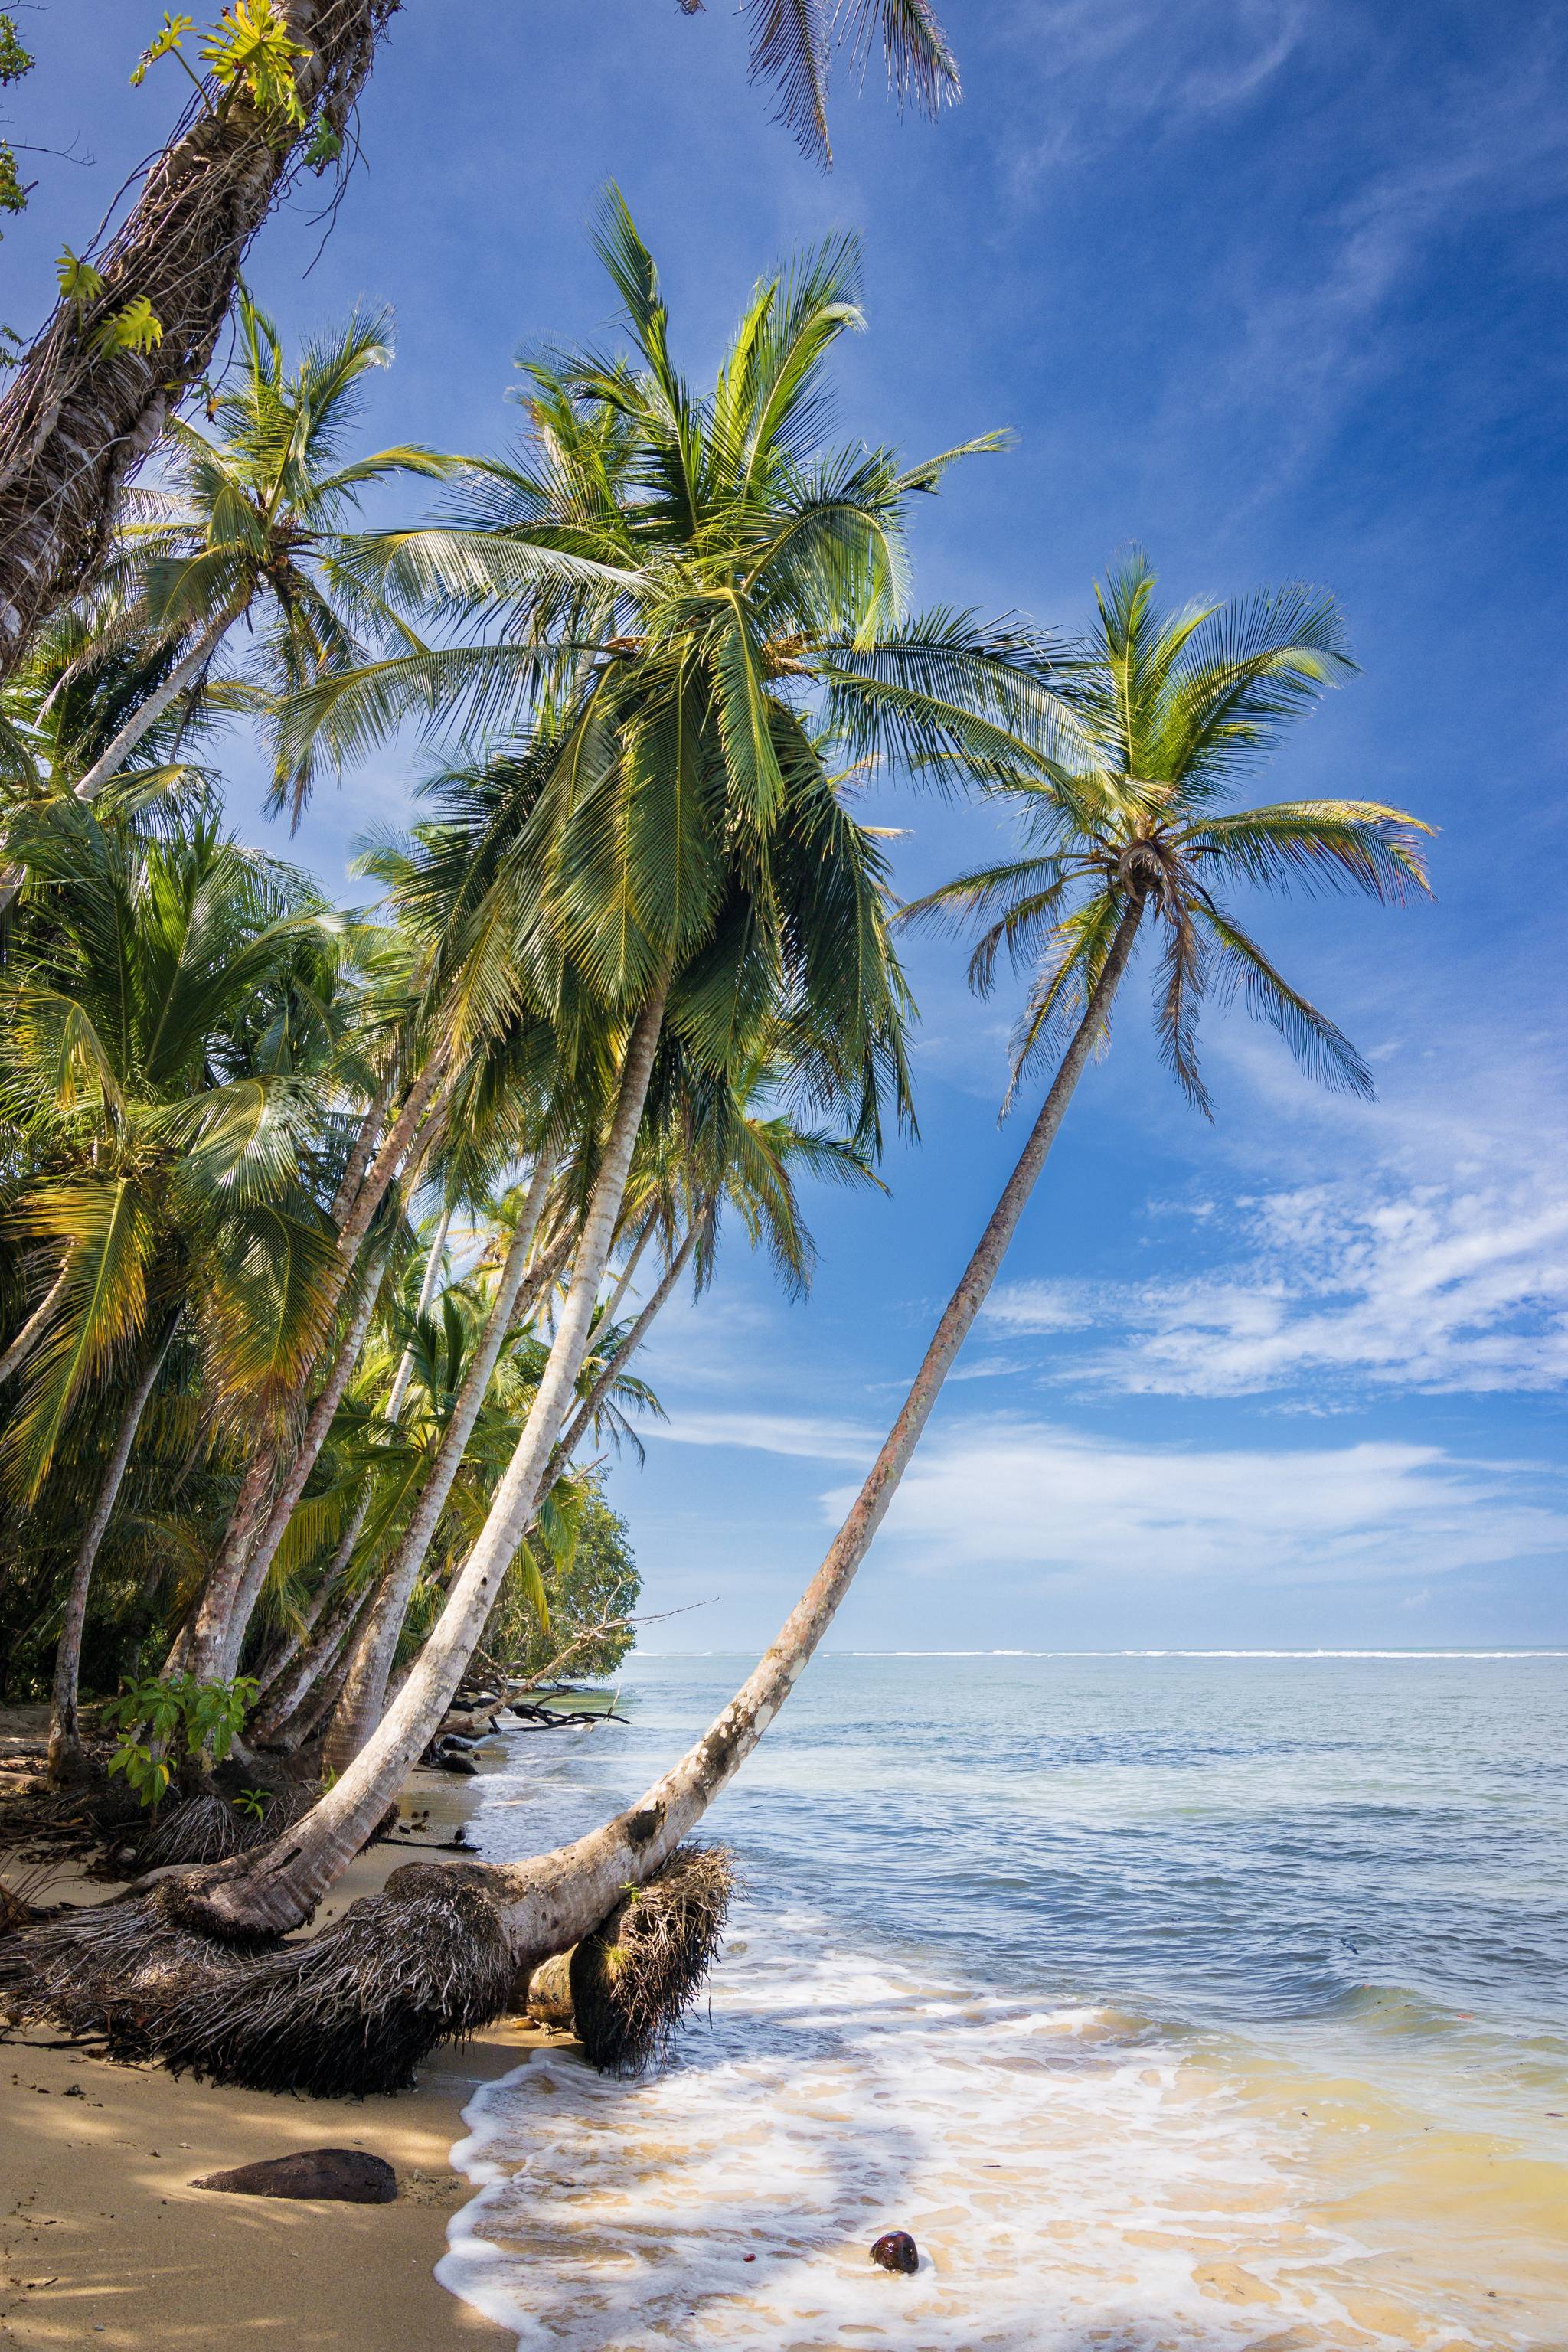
634, 1978
351, 2011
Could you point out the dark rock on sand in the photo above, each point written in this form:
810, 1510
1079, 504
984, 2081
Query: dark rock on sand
897, 2252
346, 2175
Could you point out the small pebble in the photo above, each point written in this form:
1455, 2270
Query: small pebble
896, 2251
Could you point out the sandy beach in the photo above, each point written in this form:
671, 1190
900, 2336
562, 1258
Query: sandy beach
103, 2239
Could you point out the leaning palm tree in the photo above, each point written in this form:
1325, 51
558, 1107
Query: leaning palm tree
687, 579
1129, 834
1132, 836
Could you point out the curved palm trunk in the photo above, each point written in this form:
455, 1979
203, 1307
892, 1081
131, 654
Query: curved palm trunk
230, 1597
293, 1683
36, 1324
80, 415
279, 1887
583, 1420
65, 1758
551, 1901
338, 1567
360, 1150
376, 1646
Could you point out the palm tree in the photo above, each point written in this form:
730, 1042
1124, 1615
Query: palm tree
88, 401
164, 1149
694, 589
1127, 827
738, 1145
247, 524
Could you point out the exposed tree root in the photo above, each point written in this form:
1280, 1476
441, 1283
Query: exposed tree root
351, 2011
208, 1828
635, 1977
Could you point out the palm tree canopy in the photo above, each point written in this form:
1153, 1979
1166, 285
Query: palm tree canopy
247, 520
168, 1019
1129, 798
793, 42
702, 616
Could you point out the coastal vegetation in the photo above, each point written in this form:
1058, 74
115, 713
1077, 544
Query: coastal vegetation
333, 1237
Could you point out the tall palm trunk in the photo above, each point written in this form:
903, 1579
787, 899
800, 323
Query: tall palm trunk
662, 1291
314, 1655
364, 1685
280, 1887
65, 1758
232, 1589
80, 413
550, 1902
339, 1564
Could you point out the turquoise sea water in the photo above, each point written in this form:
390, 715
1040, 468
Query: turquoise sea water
1172, 2001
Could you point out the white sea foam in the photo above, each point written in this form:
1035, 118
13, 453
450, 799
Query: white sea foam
1074, 2180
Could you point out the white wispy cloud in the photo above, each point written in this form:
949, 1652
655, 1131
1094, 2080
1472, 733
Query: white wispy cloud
1357, 1281
1027, 1495
761, 1431
1112, 64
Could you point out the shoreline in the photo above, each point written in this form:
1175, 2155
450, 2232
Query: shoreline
104, 2241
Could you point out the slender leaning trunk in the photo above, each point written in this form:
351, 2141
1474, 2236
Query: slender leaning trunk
79, 414
147, 714
229, 1599
314, 1436
280, 1886
583, 1420
363, 1694
290, 1686
65, 1758
254, 1517
37, 1322
551, 1901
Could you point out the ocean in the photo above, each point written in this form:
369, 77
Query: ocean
1174, 2003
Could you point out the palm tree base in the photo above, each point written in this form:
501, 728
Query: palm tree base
349, 2012
635, 1977
354, 2010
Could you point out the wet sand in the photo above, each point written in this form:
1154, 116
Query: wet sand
104, 2241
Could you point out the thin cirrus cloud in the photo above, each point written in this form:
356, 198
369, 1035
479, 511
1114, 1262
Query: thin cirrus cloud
1110, 64
1006, 1492
1026, 1495
1432, 1289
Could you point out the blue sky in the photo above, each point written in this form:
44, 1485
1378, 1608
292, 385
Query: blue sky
1276, 291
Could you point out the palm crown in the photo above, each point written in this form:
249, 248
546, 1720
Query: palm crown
703, 609
249, 520
1124, 809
